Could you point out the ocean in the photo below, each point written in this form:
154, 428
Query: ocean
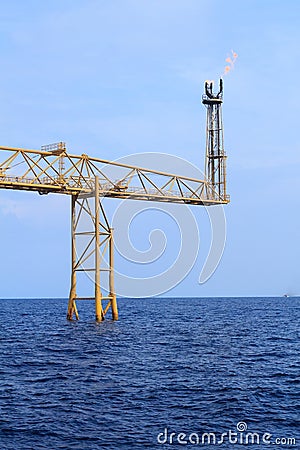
171, 373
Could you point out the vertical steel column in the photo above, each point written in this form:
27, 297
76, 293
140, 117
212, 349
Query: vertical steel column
215, 164
98, 296
112, 294
72, 309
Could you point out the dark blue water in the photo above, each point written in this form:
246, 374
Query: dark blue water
176, 366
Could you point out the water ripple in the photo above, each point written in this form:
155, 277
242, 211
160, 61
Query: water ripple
189, 365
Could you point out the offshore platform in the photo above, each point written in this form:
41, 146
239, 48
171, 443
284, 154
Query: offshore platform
87, 180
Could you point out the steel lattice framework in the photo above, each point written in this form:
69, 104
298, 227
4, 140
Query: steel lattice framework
87, 180
59, 172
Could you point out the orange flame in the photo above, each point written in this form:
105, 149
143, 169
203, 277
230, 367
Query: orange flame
231, 60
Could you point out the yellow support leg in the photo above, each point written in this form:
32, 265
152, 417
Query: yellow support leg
72, 309
113, 301
98, 296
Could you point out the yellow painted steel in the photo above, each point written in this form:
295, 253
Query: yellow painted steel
113, 302
98, 294
60, 172
84, 179
72, 309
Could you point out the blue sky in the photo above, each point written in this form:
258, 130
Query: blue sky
112, 78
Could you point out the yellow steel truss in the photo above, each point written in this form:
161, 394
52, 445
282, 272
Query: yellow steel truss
52, 172
99, 242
